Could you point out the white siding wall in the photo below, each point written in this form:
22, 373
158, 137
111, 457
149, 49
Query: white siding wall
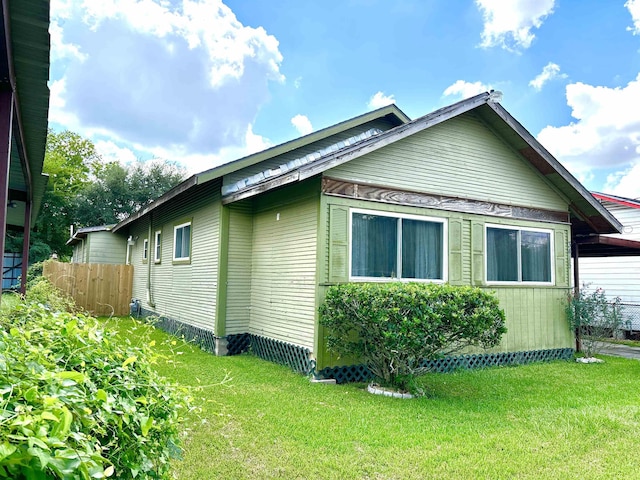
618, 276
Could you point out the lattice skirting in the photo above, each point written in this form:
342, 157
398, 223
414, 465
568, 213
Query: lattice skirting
293, 356
360, 373
205, 339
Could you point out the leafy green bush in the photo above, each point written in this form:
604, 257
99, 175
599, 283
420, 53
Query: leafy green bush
394, 327
594, 318
42, 291
77, 402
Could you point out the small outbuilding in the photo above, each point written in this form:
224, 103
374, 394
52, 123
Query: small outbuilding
98, 245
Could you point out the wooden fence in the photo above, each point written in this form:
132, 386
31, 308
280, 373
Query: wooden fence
101, 289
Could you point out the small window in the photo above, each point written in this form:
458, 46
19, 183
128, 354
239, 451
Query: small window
516, 255
157, 252
387, 246
145, 250
182, 241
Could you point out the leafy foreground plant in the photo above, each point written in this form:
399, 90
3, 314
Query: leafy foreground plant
594, 318
78, 403
393, 328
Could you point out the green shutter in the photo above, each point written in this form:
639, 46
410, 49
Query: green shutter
562, 258
338, 244
455, 251
477, 253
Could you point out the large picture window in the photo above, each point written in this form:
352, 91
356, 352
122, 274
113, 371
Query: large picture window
516, 255
385, 246
182, 241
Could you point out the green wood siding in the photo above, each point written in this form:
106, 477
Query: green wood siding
185, 291
283, 288
275, 162
535, 319
106, 247
239, 267
460, 158
535, 314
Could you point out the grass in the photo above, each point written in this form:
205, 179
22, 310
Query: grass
541, 421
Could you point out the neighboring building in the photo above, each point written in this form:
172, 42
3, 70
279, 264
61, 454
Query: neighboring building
619, 276
465, 195
24, 106
98, 245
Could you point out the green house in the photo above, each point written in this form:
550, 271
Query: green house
97, 245
242, 254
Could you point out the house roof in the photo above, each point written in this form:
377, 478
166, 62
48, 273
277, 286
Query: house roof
390, 112
588, 216
83, 232
627, 202
24, 68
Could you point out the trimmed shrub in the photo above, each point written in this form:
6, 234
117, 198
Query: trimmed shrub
77, 402
394, 327
593, 318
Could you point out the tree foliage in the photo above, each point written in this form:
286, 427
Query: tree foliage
116, 192
394, 327
85, 191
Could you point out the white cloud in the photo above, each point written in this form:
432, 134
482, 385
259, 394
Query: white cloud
625, 183
549, 72
464, 89
634, 9
379, 100
508, 24
110, 152
606, 133
184, 78
297, 83
302, 124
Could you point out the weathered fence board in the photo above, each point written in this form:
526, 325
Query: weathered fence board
101, 289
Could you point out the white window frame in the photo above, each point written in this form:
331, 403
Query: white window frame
175, 234
157, 246
552, 255
399, 217
145, 250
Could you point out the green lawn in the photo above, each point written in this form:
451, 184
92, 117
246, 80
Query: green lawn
554, 420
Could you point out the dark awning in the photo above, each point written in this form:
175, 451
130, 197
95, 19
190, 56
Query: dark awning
603, 246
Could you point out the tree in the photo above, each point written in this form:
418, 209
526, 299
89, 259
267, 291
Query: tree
69, 159
116, 192
85, 191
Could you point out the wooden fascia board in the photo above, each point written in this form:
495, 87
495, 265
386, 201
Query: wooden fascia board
174, 192
301, 142
560, 170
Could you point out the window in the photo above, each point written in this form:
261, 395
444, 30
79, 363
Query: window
157, 252
182, 241
518, 255
385, 246
145, 249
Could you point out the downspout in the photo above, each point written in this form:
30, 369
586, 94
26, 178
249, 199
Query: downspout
149, 286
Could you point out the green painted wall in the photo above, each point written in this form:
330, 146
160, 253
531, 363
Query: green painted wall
535, 314
283, 287
105, 247
239, 267
460, 158
187, 291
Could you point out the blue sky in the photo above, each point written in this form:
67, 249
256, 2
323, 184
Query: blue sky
203, 82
